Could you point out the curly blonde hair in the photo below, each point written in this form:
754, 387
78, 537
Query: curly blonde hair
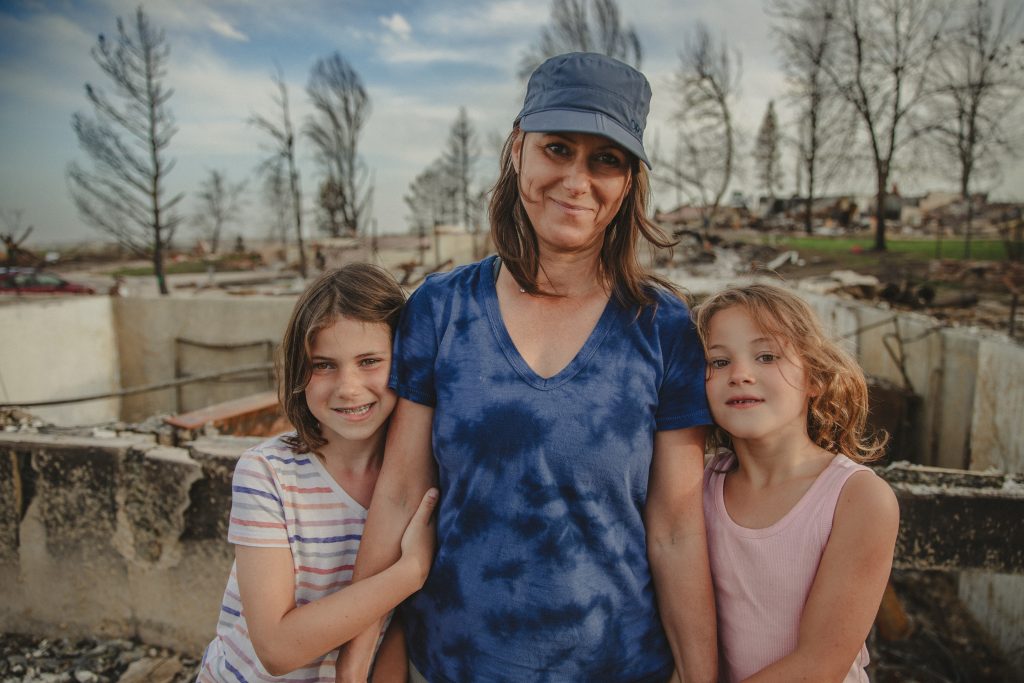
838, 409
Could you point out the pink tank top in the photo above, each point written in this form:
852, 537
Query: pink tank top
762, 576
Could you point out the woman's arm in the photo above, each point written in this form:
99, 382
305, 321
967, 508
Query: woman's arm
678, 552
286, 637
848, 587
407, 472
391, 664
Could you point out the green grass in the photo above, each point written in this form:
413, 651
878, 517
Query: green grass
915, 249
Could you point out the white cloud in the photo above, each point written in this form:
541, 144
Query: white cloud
398, 25
491, 19
220, 26
419, 54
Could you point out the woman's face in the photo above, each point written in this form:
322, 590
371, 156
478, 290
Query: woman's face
572, 185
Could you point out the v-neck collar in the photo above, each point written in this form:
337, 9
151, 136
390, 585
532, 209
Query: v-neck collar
604, 325
336, 486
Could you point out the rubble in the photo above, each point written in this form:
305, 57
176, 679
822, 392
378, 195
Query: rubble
944, 644
35, 659
17, 420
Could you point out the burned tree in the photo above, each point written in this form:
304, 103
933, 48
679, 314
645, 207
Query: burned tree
706, 85
432, 201
884, 49
281, 163
768, 153
341, 109
126, 139
277, 198
460, 157
584, 26
218, 206
805, 34
979, 81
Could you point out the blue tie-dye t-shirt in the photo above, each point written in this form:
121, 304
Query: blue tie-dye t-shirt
541, 571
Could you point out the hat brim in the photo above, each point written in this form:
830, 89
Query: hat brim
573, 121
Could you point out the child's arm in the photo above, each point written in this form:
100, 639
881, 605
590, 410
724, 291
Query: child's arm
286, 637
408, 470
678, 551
848, 587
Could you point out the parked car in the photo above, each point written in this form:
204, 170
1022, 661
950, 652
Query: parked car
32, 281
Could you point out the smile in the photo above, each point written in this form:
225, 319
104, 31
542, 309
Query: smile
571, 208
359, 410
744, 402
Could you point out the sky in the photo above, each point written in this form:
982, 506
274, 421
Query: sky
420, 61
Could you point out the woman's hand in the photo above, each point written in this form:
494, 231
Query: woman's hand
419, 539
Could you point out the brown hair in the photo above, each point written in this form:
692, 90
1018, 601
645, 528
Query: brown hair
619, 266
359, 291
837, 412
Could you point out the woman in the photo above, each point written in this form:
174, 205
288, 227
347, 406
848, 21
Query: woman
555, 393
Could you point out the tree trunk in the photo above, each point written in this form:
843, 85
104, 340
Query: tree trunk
297, 204
808, 218
965, 193
880, 214
158, 264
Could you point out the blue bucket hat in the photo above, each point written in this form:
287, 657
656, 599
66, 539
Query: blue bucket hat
586, 92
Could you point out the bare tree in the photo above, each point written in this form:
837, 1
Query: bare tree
431, 202
979, 81
884, 49
460, 157
218, 206
706, 86
127, 141
805, 34
277, 197
768, 152
282, 155
433, 197
342, 108
584, 26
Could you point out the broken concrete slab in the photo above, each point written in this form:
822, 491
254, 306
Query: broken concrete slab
210, 497
958, 520
156, 522
94, 547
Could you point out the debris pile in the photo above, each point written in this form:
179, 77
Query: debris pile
988, 294
60, 660
17, 420
944, 643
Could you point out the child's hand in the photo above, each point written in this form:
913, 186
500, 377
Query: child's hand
419, 538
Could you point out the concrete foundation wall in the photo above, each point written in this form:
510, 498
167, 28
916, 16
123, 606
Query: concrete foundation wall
146, 330
970, 382
120, 537
114, 537
60, 348
997, 602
